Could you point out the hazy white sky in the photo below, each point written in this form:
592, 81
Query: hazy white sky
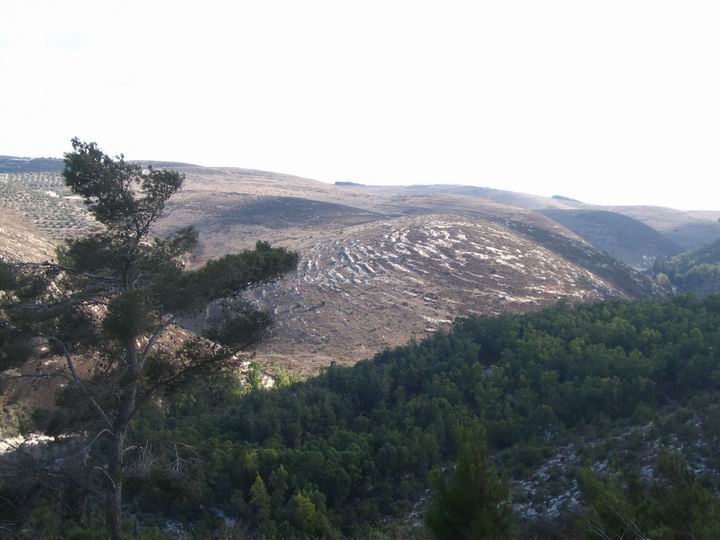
605, 101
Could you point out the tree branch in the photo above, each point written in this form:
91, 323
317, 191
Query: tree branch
78, 382
152, 341
68, 269
183, 373
35, 376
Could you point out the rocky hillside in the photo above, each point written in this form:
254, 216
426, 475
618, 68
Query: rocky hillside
380, 283
380, 265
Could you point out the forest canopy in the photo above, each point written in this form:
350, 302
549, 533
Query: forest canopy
343, 452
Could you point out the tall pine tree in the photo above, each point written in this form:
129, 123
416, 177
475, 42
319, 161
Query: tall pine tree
113, 296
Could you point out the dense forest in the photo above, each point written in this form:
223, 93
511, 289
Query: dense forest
624, 393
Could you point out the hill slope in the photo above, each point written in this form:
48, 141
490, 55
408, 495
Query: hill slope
380, 283
380, 265
621, 236
21, 240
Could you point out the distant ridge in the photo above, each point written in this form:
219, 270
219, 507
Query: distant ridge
564, 198
346, 183
163, 164
16, 164
637, 235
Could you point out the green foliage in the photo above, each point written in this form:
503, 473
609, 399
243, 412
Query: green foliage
90, 254
231, 273
366, 437
260, 501
123, 196
142, 286
240, 325
254, 376
674, 505
284, 378
7, 277
309, 515
471, 502
695, 271
129, 315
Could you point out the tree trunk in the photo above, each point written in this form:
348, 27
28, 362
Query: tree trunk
116, 473
121, 425
117, 460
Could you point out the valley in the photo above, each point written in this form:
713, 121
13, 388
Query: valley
409, 308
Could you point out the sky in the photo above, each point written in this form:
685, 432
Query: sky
609, 102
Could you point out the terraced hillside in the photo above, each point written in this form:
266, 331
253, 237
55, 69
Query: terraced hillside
380, 266
43, 199
384, 282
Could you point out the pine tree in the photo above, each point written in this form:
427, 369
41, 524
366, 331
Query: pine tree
112, 297
471, 502
260, 500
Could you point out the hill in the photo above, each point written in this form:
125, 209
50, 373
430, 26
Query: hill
379, 265
21, 240
675, 230
13, 164
690, 230
572, 397
623, 237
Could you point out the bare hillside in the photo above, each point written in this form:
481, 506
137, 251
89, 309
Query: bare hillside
381, 283
380, 266
21, 240
623, 237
